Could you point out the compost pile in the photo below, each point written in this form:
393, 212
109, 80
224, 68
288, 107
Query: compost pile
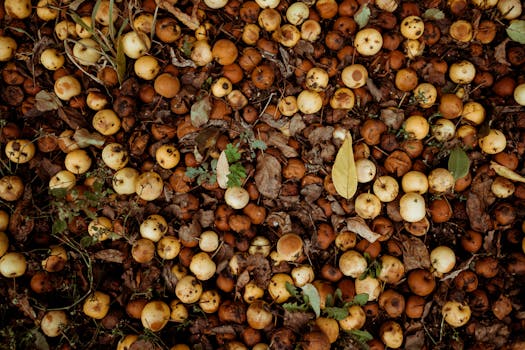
227, 174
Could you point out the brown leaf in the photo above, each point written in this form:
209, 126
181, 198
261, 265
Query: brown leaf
311, 192
190, 232
296, 320
320, 135
22, 302
110, 255
415, 253
268, 176
277, 139
47, 101
73, 118
415, 341
479, 219
242, 280
500, 52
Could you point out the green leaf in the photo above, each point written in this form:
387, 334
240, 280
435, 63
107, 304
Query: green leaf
516, 30
236, 176
360, 299
337, 313
258, 144
361, 336
329, 301
59, 226
362, 16
313, 298
338, 294
192, 173
458, 163
294, 307
232, 153
291, 289
87, 241
59, 193
434, 14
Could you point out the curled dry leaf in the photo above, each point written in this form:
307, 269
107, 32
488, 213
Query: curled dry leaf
344, 173
223, 170
85, 139
359, 226
506, 172
268, 175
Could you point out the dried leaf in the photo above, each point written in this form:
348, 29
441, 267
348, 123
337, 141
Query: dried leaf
120, 61
500, 52
506, 172
47, 101
359, 226
268, 176
279, 140
110, 255
189, 21
516, 31
479, 219
458, 163
85, 139
39, 340
200, 112
415, 253
362, 16
434, 14
344, 173
223, 170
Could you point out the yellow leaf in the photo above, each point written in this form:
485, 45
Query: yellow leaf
223, 170
506, 172
344, 174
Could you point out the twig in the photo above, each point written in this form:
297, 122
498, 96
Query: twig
189, 21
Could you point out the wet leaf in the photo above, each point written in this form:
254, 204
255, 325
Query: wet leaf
506, 172
223, 170
344, 173
359, 226
268, 176
434, 14
516, 31
458, 163
362, 16
313, 298
200, 112
47, 101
